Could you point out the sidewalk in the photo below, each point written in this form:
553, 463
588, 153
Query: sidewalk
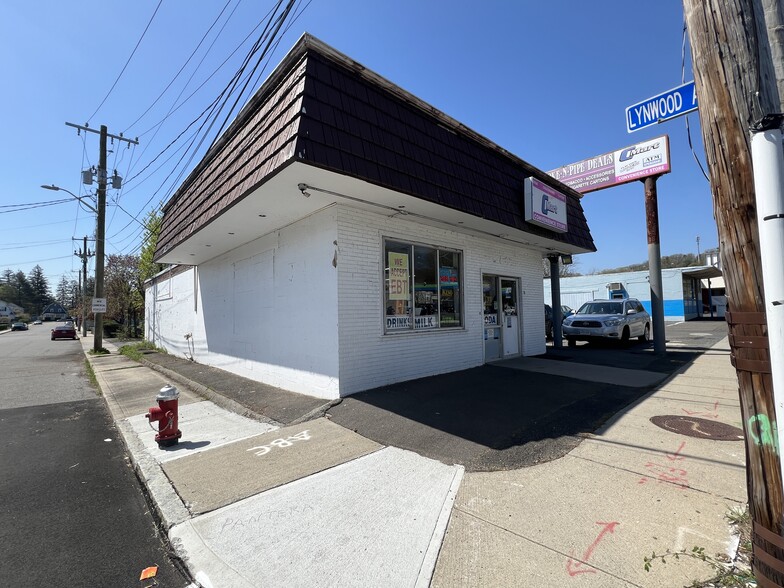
265, 490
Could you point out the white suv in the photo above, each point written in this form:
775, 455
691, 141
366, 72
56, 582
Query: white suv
619, 319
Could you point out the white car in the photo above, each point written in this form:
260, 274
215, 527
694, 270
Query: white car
618, 320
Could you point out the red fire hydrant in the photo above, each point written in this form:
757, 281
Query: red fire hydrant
166, 415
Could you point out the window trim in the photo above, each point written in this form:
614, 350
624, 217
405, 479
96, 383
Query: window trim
411, 244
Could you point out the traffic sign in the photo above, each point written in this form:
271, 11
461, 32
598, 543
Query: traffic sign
99, 304
664, 106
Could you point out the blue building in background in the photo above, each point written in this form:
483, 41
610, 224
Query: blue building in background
688, 292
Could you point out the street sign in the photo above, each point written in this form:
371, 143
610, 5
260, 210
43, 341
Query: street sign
667, 105
99, 304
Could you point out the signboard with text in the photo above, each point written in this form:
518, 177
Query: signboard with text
99, 305
644, 159
662, 107
545, 206
398, 276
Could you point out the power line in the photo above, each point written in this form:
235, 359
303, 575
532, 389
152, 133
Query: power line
32, 205
187, 61
127, 62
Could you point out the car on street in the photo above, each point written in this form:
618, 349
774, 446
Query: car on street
38, 322
64, 332
617, 320
18, 326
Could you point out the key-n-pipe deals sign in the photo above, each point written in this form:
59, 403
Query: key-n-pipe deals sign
648, 158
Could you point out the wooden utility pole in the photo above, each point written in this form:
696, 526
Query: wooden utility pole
100, 225
733, 46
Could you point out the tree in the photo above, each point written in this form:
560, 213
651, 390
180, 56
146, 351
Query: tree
39, 287
738, 80
564, 271
62, 291
147, 266
67, 293
121, 285
23, 293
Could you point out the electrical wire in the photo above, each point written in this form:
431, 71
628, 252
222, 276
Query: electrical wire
32, 205
683, 78
270, 34
187, 61
127, 62
211, 109
174, 108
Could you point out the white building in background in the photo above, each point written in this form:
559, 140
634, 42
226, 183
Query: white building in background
344, 235
688, 292
7, 312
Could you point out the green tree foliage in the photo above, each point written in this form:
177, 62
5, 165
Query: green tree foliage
147, 266
39, 288
667, 262
67, 293
123, 289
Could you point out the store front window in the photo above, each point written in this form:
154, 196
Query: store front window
422, 287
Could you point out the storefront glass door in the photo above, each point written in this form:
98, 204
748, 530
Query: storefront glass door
492, 323
511, 325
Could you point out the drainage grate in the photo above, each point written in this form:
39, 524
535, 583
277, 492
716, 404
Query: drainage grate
697, 427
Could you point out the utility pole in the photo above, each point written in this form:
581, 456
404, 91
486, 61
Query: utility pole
736, 58
84, 254
100, 226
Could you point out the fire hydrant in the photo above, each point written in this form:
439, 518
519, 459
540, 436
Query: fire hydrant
166, 414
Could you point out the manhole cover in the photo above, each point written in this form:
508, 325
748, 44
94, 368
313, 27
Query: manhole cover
696, 427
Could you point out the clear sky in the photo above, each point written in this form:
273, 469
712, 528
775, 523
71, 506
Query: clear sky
548, 81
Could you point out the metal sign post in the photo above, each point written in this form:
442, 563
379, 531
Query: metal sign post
654, 264
645, 161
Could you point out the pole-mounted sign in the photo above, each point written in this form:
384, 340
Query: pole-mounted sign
662, 107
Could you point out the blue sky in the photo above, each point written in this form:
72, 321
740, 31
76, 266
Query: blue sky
548, 81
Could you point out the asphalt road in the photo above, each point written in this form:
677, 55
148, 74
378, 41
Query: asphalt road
72, 512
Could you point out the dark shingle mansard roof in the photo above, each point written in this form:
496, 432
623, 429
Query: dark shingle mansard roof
322, 109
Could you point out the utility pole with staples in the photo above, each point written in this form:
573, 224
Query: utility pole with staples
100, 228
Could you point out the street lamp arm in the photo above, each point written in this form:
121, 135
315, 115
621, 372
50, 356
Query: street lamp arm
79, 198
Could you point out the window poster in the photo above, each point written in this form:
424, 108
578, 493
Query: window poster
398, 276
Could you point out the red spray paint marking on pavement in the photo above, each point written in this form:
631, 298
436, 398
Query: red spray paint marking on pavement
676, 456
664, 473
711, 413
575, 567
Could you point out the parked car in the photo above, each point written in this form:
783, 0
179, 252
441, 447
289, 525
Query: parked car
18, 326
548, 322
618, 320
64, 332
548, 318
38, 322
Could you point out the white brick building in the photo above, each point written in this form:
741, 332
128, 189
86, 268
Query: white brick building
343, 235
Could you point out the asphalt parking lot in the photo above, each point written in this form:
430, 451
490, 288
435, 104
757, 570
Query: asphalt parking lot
494, 417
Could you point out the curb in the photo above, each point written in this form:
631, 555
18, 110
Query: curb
211, 395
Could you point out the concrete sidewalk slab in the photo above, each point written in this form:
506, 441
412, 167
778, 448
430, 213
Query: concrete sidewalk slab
583, 371
203, 425
566, 507
374, 521
678, 462
262, 462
